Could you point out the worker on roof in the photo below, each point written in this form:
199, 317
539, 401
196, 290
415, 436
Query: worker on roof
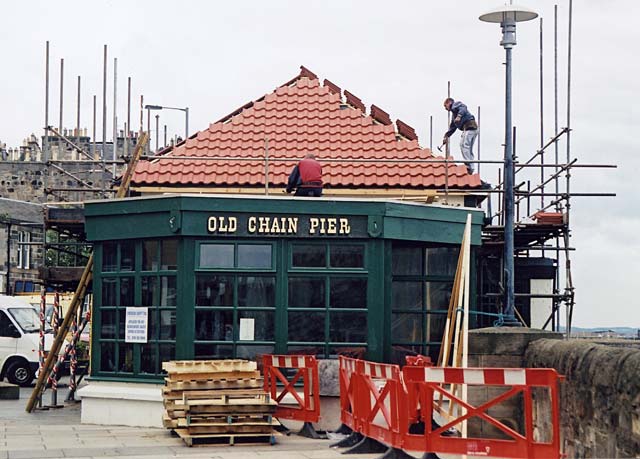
463, 120
306, 178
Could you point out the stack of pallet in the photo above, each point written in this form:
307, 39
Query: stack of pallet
217, 401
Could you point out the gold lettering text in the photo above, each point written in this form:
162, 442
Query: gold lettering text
313, 225
251, 224
331, 226
344, 226
292, 225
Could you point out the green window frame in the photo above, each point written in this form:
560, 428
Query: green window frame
120, 281
234, 290
320, 320
422, 280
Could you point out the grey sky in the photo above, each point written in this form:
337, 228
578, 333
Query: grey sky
215, 56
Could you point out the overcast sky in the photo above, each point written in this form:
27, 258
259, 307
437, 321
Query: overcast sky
215, 56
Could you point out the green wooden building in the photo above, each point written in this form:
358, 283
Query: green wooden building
213, 276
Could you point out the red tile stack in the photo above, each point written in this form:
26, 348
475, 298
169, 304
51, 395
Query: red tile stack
303, 117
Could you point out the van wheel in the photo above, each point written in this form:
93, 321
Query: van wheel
20, 373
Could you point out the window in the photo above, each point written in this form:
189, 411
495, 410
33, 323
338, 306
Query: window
7, 329
327, 298
24, 250
421, 289
242, 256
235, 300
140, 274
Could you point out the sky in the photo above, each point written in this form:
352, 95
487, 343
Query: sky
214, 56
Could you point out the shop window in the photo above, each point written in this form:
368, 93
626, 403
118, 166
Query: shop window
347, 256
150, 255
157, 288
309, 256
348, 292
406, 261
256, 291
214, 325
216, 256
127, 256
109, 256
421, 289
254, 256
307, 292
169, 255
348, 327
214, 290
307, 326
441, 261
263, 324
209, 351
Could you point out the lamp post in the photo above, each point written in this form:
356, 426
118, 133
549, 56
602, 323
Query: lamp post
185, 110
507, 16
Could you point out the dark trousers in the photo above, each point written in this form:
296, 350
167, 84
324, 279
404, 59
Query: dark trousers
315, 192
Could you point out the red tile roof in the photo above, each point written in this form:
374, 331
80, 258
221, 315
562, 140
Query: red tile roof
297, 118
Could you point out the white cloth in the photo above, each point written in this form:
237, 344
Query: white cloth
467, 139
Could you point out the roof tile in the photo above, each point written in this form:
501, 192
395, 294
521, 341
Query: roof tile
300, 117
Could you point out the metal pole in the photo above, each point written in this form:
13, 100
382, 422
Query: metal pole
479, 133
157, 132
508, 26
569, 280
186, 124
128, 129
541, 114
141, 114
93, 135
555, 89
61, 93
115, 114
78, 114
104, 104
45, 139
165, 137
431, 133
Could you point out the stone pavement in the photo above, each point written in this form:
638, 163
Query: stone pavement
57, 433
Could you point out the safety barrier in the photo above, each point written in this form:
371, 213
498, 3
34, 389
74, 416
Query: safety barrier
347, 382
382, 411
307, 407
432, 380
380, 402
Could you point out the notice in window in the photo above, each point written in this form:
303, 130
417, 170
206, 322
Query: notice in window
137, 320
247, 329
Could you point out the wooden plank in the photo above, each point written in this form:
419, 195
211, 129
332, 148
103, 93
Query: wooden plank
208, 366
225, 439
205, 384
230, 429
224, 410
169, 394
232, 402
213, 376
217, 420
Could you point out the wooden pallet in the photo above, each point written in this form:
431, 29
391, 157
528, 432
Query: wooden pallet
225, 439
208, 366
223, 410
169, 394
213, 384
237, 419
213, 376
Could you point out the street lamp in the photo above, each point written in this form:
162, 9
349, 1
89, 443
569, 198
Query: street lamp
507, 16
185, 110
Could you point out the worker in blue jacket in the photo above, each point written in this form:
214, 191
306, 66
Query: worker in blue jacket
463, 120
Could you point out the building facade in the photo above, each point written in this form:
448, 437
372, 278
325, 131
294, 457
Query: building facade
21, 249
229, 277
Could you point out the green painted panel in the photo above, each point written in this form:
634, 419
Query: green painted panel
432, 231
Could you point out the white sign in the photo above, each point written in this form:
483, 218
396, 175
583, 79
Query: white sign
247, 329
137, 320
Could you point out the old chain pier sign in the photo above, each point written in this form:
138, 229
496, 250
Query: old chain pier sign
287, 225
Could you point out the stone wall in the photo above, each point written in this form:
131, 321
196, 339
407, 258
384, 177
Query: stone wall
26, 181
600, 399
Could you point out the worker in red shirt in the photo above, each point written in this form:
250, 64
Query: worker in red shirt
306, 178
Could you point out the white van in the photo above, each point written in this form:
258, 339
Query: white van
19, 340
